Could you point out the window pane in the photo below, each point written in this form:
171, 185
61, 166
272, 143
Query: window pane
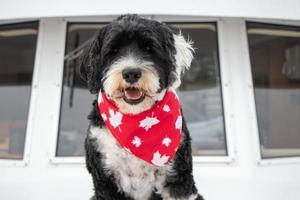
275, 61
200, 91
17, 53
76, 99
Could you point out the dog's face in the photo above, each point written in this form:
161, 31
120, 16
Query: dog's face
134, 61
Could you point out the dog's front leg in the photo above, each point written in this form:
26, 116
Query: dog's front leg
104, 184
180, 184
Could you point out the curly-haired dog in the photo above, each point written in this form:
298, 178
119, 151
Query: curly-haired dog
134, 64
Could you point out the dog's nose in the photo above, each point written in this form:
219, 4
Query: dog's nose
132, 75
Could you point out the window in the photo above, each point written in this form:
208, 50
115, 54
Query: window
17, 53
76, 99
275, 62
200, 93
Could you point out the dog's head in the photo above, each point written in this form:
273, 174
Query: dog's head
134, 61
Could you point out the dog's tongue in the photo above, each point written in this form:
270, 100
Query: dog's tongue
133, 93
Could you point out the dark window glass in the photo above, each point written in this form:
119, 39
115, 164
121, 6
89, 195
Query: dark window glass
76, 99
200, 93
275, 61
17, 53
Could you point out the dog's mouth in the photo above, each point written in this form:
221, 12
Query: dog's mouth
133, 95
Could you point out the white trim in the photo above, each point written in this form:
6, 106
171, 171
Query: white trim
278, 161
90, 19
161, 18
61, 31
227, 90
213, 159
184, 19
31, 107
67, 160
267, 9
253, 116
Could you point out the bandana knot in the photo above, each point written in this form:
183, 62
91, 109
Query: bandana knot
153, 135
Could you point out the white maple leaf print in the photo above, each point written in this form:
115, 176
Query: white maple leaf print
159, 160
136, 141
166, 108
104, 117
148, 122
115, 118
178, 122
166, 141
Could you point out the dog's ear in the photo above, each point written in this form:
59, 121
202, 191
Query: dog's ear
184, 52
168, 43
90, 68
183, 57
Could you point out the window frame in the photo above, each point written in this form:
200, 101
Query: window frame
32, 99
228, 157
260, 160
71, 158
225, 84
61, 25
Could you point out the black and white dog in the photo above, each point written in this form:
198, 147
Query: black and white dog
134, 61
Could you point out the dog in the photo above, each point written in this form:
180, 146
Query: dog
134, 62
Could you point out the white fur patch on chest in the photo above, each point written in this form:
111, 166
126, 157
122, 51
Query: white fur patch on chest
133, 176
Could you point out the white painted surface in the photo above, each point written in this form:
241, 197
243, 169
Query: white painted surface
240, 176
276, 9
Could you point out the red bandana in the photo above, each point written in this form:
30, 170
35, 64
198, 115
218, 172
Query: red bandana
153, 135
